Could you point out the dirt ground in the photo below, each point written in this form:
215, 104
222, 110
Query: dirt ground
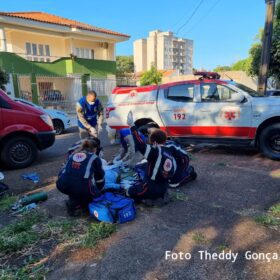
214, 213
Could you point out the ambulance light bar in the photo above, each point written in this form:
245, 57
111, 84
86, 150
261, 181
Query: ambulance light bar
208, 75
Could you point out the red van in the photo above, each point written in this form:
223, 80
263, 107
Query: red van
23, 131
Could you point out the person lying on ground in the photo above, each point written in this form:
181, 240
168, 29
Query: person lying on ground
82, 178
161, 165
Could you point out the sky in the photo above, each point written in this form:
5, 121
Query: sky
222, 30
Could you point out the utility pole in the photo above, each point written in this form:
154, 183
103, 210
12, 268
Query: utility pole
266, 46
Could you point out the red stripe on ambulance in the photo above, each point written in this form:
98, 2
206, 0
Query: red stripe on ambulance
210, 131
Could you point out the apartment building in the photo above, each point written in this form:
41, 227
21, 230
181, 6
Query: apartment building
165, 51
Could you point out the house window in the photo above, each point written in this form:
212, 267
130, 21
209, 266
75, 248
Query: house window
34, 49
41, 50
37, 52
84, 53
47, 50
28, 48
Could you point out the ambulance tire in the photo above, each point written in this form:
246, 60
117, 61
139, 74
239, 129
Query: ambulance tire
269, 141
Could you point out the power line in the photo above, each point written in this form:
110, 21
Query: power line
204, 16
181, 18
191, 16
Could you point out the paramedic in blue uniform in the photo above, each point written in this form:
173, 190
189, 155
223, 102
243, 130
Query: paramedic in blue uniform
128, 152
90, 115
161, 165
77, 145
184, 172
82, 178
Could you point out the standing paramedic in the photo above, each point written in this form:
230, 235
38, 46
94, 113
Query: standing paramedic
161, 165
90, 115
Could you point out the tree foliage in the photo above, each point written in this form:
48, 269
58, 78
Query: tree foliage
254, 59
240, 65
151, 77
220, 68
4, 79
125, 65
256, 49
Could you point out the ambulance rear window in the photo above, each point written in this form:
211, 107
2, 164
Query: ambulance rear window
181, 93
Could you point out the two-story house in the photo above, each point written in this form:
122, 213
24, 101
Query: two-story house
51, 58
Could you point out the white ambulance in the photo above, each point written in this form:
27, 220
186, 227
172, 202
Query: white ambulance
206, 110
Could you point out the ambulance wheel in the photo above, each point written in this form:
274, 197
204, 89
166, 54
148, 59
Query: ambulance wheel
269, 141
18, 152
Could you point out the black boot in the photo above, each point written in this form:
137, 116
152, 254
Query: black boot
74, 209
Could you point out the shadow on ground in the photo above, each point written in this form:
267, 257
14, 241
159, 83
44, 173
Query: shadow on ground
216, 214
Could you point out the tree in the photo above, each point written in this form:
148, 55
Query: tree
4, 79
240, 65
151, 77
220, 68
254, 59
125, 65
256, 49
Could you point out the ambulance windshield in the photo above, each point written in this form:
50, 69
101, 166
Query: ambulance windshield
247, 89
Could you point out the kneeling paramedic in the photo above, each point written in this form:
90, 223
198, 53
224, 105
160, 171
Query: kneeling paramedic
184, 172
128, 152
82, 178
77, 145
161, 165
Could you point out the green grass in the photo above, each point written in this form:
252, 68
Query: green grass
6, 202
267, 220
26, 272
223, 248
275, 210
30, 231
20, 234
199, 238
175, 195
96, 232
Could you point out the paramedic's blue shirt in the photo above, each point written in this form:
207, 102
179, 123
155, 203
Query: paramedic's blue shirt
125, 132
90, 112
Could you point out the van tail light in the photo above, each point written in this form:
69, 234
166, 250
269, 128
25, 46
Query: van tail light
108, 110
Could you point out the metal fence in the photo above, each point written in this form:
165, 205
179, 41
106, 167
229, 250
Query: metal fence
59, 92
62, 93
25, 89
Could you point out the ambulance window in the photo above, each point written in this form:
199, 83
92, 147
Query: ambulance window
181, 93
215, 93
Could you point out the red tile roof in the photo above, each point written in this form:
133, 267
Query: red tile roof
53, 19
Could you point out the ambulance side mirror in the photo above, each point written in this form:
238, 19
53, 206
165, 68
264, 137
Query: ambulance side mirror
237, 97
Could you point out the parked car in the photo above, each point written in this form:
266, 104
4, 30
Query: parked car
53, 95
23, 131
60, 119
206, 110
273, 92
26, 95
